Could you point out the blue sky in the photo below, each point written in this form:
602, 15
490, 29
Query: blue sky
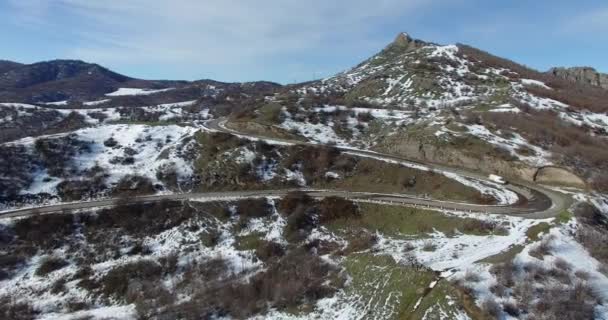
292, 41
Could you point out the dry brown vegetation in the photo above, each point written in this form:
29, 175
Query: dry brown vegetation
574, 145
539, 293
140, 219
132, 185
11, 309
592, 231
50, 264
579, 96
304, 213
254, 208
333, 208
296, 279
294, 276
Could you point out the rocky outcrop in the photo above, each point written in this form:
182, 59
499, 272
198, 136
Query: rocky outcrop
583, 75
406, 43
413, 148
558, 176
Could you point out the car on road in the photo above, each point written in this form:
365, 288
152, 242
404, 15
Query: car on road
497, 179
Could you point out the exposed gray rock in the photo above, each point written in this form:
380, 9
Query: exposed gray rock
404, 42
584, 75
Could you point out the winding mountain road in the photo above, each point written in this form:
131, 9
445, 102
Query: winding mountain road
536, 202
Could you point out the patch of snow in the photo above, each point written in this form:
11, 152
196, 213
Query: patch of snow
540, 157
135, 92
461, 251
297, 176
127, 312
531, 82
57, 103
96, 103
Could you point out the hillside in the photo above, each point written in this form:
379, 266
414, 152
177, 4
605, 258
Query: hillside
454, 104
365, 194
60, 82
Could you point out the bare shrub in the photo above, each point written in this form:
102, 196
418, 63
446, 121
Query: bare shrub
300, 222
292, 200
491, 308
267, 250
11, 309
562, 264
511, 309
140, 249
50, 264
46, 231
141, 219
600, 182
471, 276
116, 282
298, 277
542, 249
582, 275
589, 214
58, 286
499, 290
254, 208
362, 242
110, 142
504, 273
481, 226
574, 145
313, 161
429, 246
332, 208
571, 302
594, 240
365, 117
134, 186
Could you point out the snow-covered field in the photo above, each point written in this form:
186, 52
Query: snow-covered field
564, 253
146, 142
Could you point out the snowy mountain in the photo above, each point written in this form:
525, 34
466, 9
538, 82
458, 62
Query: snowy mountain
465, 104
365, 194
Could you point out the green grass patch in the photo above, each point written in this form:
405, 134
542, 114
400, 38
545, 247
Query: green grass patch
395, 221
535, 231
386, 289
248, 242
441, 303
506, 256
269, 113
563, 217
377, 176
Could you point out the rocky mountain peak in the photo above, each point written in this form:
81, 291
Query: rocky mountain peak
403, 38
404, 42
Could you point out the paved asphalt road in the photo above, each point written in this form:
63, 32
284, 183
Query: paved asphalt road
536, 202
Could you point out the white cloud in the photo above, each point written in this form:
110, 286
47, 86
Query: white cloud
215, 33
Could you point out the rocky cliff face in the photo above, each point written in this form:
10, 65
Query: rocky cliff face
585, 75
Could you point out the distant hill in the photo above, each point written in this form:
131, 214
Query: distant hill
6, 65
58, 80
